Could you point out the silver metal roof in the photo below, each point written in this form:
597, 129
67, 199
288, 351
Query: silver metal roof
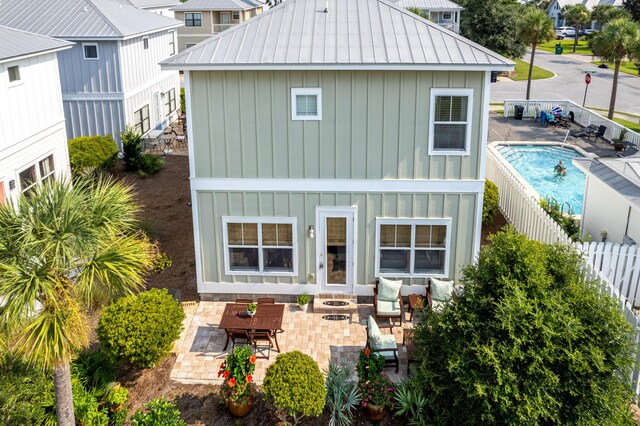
15, 44
437, 5
354, 34
613, 179
151, 4
198, 5
82, 19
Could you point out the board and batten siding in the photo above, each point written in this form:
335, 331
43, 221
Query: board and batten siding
94, 117
32, 105
145, 97
79, 75
140, 66
212, 206
375, 125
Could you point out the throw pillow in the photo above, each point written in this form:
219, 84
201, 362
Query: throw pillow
441, 289
389, 290
375, 335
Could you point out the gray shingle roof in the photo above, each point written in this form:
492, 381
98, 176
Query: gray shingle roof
355, 34
15, 43
197, 5
428, 4
147, 4
81, 19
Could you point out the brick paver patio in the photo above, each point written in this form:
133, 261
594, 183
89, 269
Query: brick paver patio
199, 350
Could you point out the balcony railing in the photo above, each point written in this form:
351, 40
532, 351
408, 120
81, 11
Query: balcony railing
218, 28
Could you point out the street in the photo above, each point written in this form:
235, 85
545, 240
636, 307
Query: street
569, 84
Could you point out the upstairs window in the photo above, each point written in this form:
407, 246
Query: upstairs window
450, 123
236, 16
447, 16
260, 246
193, 19
306, 103
90, 50
145, 43
14, 73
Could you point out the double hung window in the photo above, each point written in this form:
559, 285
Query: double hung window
170, 102
450, 124
141, 120
193, 19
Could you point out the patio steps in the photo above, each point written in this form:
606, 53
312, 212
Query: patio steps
319, 305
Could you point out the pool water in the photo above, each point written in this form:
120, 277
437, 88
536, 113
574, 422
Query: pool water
535, 164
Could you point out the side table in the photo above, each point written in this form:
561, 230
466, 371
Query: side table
415, 301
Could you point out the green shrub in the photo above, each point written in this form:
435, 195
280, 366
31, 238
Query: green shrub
94, 369
303, 299
161, 262
89, 154
411, 403
295, 386
528, 341
141, 329
24, 392
491, 202
131, 148
183, 101
342, 393
149, 165
159, 412
570, 225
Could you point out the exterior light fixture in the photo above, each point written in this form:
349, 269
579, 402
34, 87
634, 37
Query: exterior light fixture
312, 231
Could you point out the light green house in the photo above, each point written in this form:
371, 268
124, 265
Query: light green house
334, 142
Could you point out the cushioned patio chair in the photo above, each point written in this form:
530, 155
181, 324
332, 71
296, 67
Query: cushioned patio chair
439, 292
387, 301
382, 344
266, 300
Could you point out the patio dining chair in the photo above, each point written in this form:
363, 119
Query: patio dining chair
236, 336
263, 336
266, 300
244, 301
387, 301
382, 344
600, 133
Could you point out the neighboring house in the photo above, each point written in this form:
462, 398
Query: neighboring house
327, 149
443, 12
204, 18
554, 10
33, 146
611, 207
161, 7
111, 77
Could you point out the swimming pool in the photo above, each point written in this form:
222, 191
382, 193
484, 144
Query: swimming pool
535, 164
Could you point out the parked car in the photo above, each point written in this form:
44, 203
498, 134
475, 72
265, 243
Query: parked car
587, 32
562, 32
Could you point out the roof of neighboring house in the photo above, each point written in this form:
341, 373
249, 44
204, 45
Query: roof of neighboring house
82, 19
436, 5
198, 5
620, 174
152, 4
355, 34
15, 44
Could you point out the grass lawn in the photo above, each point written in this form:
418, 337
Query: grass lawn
567, 45
631, 125
626, 67
522, 70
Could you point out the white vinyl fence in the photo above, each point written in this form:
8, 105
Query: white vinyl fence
613, 267
582, 116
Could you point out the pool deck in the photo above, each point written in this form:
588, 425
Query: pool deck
528, 130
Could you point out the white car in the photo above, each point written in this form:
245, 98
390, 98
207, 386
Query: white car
562, 32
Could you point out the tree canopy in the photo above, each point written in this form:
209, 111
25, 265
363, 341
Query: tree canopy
493, 24
603, 13
528, 341
633, 7
534, 26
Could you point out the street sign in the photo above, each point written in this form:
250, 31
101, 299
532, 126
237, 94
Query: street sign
589, 72
587, 78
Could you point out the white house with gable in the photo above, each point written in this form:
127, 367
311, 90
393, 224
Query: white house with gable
33, 146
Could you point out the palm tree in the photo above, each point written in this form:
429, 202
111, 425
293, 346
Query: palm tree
617, 40
576, 16
63, 248
534, 26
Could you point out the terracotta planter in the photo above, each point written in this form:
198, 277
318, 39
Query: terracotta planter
375, 412
240, 409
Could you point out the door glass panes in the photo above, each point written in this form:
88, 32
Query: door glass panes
336, 241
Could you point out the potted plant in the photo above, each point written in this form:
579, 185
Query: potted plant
116, 398
251, 309
238, 388
376, 388
303, 301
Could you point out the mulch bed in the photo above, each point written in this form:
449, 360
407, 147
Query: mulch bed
498, 223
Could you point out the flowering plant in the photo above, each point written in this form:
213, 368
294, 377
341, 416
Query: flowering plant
379, 391
369, 365
237, 372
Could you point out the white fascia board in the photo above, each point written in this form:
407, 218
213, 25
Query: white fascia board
408, 186
335, 67
31, 55
113, 96
155, 30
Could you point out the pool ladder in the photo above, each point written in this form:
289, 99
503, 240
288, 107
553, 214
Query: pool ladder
515, 153
561, 205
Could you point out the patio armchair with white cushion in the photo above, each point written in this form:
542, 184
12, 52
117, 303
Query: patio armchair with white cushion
382, 344
387, 300
439, 292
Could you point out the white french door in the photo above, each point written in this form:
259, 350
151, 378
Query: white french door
335, 248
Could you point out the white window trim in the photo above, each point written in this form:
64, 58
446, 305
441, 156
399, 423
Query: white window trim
450, 18
84, 55
432, 117
143, 41
392, 221
260, 220
172, 41
295, 91
17, 82
39, 177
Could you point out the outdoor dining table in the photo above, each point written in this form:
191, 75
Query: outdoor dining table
268, 317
